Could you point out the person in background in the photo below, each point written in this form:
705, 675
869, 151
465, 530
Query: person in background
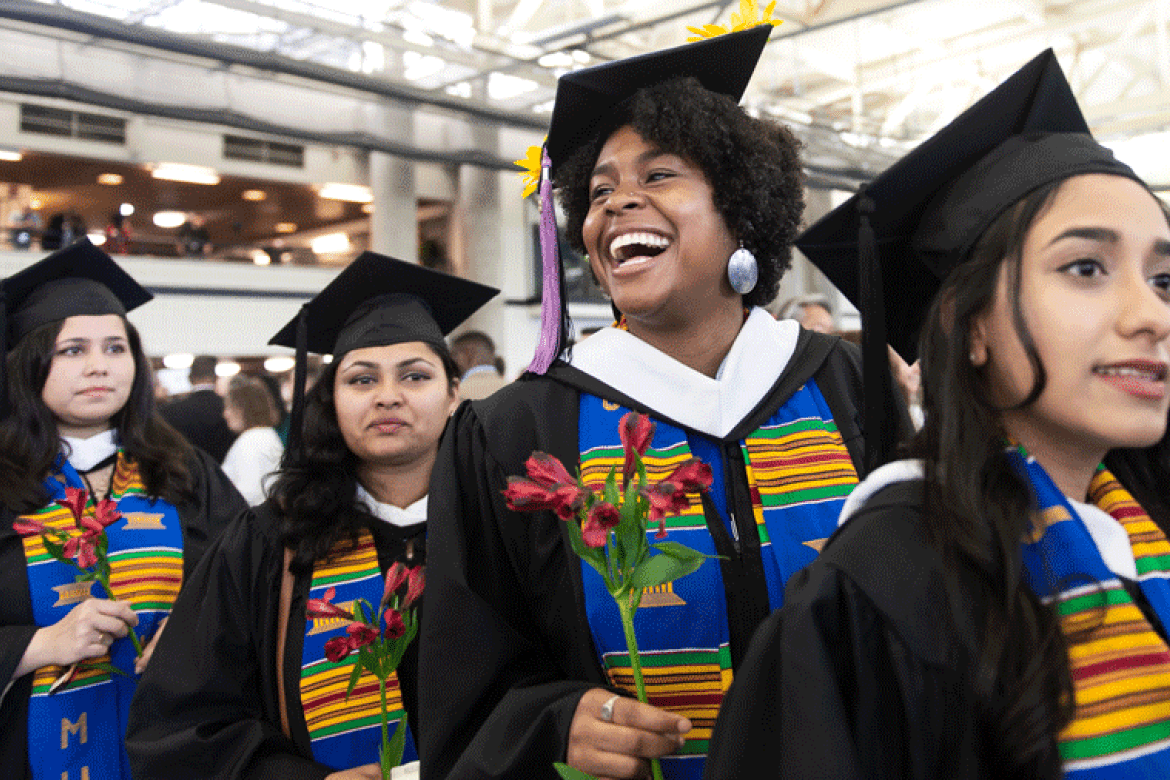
242, 685
998, 605
255, 454
198, 415
811, 311
79, 414
475, 354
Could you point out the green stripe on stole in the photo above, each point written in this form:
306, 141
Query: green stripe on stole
798, 474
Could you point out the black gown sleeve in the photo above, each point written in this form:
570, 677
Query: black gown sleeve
503, 657
859, 674
214, 503
207, 705
16, 631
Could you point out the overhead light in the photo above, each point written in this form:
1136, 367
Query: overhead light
254, 195
330, 244
35, 203
190, 174
260, 257
97, 239
326, 359
179, 360
286, 227
227, 368
279, 364
353, 193
367, 208
112, 179
169, 219
7, 155
126, 209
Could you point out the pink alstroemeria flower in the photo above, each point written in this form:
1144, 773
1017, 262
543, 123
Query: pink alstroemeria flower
337, 648
30, 527
395, 627
322, 608
636, 432
395, 576
415, 584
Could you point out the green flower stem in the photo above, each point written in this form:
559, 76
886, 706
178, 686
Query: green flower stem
105, 581
627, 612
385, 728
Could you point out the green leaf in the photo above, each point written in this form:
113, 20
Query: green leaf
611, 489
392, 753
661, 569
353, 678
681, 551
107, 668
570, 773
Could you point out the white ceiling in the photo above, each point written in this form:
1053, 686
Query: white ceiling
860, 80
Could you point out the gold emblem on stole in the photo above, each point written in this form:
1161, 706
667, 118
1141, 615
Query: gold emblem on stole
321, 625
143, 521
72, 593
661, 596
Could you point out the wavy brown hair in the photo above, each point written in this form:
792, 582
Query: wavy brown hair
30, 441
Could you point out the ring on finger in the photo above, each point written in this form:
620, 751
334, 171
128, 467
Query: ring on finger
606, 713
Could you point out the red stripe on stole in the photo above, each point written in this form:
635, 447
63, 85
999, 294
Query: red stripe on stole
827, 456
1118, 664
685, 698
361, 689
124, 581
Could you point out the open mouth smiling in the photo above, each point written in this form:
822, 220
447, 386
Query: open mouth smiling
637, 246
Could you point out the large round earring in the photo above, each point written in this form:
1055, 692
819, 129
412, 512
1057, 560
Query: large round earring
743, 271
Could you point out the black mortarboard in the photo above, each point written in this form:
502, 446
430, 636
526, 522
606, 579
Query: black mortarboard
585, 98
77, 280
889, 247
376, 301
585, 102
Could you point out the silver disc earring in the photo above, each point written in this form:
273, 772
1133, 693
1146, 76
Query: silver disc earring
742, 271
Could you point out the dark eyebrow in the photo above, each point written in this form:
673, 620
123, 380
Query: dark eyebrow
411, 361
361, 364
1100, 235
643, 158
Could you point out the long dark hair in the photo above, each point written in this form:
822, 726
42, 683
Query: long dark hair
30, 441
316, 484
978, 508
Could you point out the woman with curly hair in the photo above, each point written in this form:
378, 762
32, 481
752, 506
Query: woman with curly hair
79, 415
687, 208
250, 687
997, 606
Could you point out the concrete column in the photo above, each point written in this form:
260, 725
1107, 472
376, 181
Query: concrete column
394, 223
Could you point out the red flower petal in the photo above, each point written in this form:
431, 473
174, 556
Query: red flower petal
29, 528
546, 470
636, 432
360, 635
106, 512
605, 515
91, 525
322, 608
395, 576
74, 501
418, 581
86, 555
337, 648
593, 533
524, 495
395, 627
691, 476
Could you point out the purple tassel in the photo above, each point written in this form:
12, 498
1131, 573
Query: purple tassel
549, 345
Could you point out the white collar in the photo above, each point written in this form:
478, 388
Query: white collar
882, 477
712, 406
482, 369
414, 514
84, 454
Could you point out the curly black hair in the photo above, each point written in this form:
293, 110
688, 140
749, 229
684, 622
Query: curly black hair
753, 165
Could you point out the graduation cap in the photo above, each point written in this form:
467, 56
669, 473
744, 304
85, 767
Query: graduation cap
77, 280
585, 102
376, 301
889, 248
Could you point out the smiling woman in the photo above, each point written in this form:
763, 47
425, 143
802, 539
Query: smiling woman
1023, 631
80, 417
251, 690
688, 208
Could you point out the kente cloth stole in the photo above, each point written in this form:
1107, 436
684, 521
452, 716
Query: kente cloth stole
78, 730
1120, 665
345, 733
798, 472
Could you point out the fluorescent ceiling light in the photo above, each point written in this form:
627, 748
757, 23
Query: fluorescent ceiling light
111, 179
279, 364
227, 368
330, 244
353, 193
169, 219
126, 209
179, 360
190, 174
7, 155
260, 257
286, 227
254, 195
97, 239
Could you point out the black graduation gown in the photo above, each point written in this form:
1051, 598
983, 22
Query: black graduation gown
863, 673
216, 501
506, 616
207, 705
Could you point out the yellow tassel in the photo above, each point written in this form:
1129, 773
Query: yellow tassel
531, 165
